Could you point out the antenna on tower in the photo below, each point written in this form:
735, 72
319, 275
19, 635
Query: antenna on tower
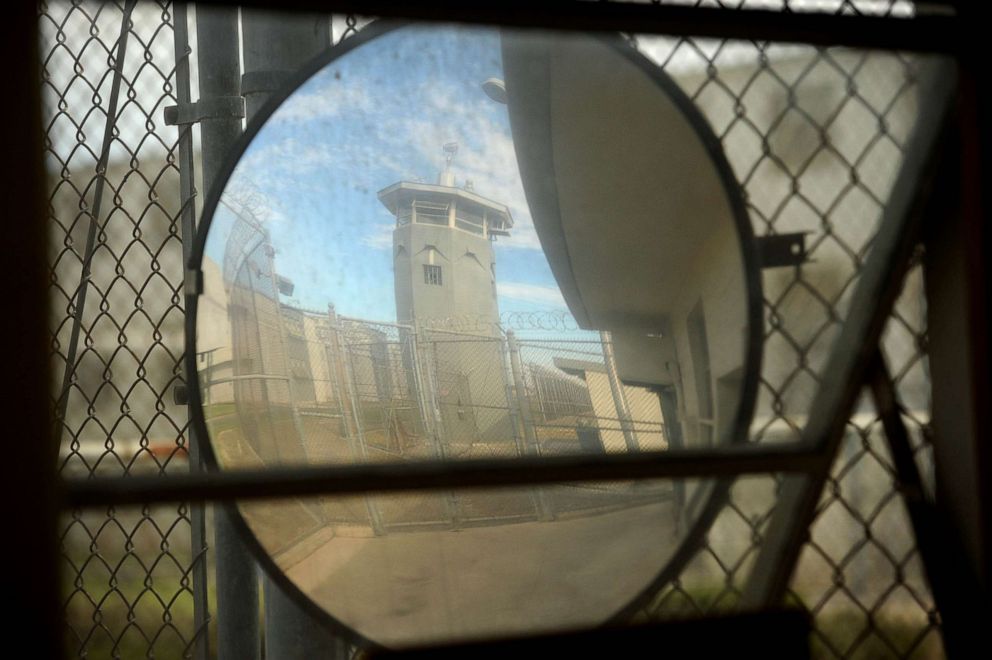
447, 178
450, 149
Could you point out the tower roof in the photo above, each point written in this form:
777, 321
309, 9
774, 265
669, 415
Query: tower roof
400, 194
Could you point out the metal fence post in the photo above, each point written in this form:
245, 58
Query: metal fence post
511, 402
341, 377
544, 510
427, 386
286, 363
274, 45
619, 396
523, 404
337, 370
358, 439
237, 581
187, 193
427, 411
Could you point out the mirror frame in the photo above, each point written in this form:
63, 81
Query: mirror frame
718, 488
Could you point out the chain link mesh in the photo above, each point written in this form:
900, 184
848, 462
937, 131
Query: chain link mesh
815, 137
127, 573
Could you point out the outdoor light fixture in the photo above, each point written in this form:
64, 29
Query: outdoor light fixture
601, 198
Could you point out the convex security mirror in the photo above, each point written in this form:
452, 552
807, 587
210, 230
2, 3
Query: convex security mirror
452, 243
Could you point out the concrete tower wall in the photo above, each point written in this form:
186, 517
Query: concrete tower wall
469, 378
467, 287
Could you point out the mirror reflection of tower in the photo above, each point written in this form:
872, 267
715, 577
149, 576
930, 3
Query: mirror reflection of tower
444, 278
442, 250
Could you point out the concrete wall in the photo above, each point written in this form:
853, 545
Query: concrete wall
645, 411
315, 330
469, 374
468, 267
715, 281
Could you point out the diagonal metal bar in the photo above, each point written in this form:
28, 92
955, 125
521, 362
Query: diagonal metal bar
36, 584
854, 350
431, 475
101, 171
944, 559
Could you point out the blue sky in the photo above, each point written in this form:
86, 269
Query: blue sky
377, 115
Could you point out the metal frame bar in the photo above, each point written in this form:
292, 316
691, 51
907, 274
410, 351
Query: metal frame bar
274, 483
945, 560
939, 30
33, 584
274, 45
236, 591
957, 281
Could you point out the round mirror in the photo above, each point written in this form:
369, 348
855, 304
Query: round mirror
452, 243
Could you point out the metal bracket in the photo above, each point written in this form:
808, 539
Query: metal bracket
258, 82
217, 107
782, 250
180, 394
193, 282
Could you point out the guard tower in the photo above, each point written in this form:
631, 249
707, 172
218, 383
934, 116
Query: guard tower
445, 275
442, 249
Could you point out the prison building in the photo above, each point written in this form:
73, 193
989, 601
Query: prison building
370, 356
263, 364
442, 250
557, 395
644, 403
302, 381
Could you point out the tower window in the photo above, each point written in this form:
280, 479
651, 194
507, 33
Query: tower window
432, 274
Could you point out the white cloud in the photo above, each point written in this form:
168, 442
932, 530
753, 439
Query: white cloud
284, 166
288, 155
381, 238
302, 107
486, 155
545, 295
307, 158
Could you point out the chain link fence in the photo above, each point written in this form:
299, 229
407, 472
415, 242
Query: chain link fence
317, 388
815, 137
108, 70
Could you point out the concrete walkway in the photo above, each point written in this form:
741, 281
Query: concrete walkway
415, 587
